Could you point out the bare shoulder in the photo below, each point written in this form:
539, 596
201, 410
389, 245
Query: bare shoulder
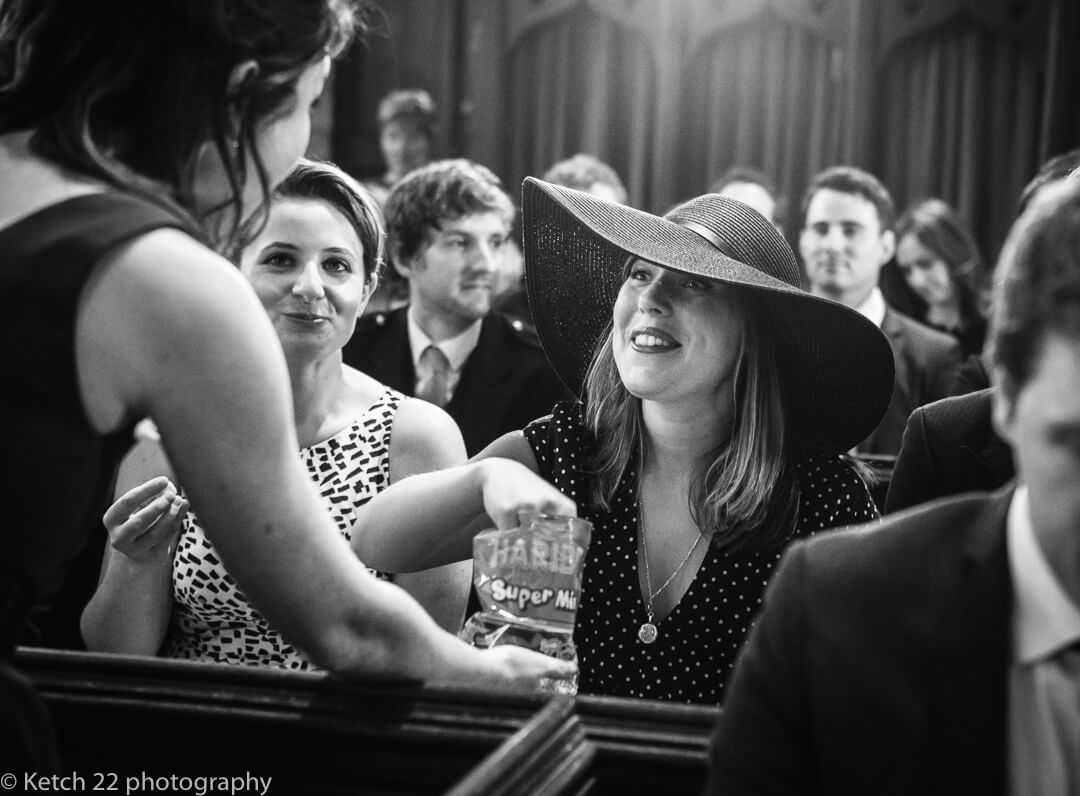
169, 259
424, 438
159, 309
361, 390
165, 283
511, 445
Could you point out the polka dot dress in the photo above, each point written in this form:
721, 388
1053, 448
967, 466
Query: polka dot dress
212, 619
694, 653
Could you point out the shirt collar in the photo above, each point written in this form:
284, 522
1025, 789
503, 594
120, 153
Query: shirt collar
457, 349
874, 307
1044, 619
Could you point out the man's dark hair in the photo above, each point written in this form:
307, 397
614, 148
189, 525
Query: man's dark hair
1056, 168
439, 191
1038, 286
849, 179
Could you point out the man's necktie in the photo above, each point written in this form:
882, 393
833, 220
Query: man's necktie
434, 376
1046, 760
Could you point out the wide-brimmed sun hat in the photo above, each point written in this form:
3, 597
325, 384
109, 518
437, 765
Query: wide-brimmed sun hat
836, 366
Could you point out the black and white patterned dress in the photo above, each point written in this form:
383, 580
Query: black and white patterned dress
212, 619
693, 656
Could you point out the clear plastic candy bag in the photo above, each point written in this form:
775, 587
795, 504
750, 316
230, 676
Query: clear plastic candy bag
529, 582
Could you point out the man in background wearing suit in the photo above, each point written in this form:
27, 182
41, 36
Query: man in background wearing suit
447, 224
846, 238
939, 652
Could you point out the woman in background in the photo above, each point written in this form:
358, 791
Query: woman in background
939, 260
313, 266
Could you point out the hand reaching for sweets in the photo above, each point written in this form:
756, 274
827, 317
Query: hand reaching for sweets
509, 487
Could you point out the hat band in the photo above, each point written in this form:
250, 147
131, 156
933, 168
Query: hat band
704, 232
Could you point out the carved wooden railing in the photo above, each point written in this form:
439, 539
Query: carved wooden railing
124, 720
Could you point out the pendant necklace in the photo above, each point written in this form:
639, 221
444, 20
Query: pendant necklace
648, 632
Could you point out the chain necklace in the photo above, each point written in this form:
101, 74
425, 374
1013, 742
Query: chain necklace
648, 632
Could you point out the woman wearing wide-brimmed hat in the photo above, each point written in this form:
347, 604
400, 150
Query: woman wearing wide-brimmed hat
718, 399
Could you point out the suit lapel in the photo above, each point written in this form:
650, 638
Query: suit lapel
482, 395
898, 409
995, 459
988, 457
969, 719
894, 330
393, 362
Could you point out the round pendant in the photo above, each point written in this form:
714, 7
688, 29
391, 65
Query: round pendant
647, 633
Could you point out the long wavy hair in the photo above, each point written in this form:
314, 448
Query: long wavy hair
937, 226
745, 495
131, 91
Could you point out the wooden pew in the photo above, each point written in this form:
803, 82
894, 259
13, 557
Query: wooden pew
600, 745
548, 755
313, 734
646, 746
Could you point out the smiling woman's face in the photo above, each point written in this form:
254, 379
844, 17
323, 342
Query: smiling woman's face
307, 269
677, 337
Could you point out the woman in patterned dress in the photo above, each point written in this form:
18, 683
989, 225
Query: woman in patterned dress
135, 138
313, 265
719, 399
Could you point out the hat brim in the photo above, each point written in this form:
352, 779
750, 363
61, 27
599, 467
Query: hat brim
836, 366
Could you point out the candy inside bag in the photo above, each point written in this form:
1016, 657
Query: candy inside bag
529, 583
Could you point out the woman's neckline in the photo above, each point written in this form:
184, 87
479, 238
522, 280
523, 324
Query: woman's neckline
46, 210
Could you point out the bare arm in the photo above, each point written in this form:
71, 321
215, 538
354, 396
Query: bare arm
171, 330
424, 439
129, 612
430, 520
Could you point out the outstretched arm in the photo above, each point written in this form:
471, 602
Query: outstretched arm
429, 520
424, 439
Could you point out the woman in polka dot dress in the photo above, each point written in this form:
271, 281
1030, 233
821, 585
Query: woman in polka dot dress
313, 265
718, 401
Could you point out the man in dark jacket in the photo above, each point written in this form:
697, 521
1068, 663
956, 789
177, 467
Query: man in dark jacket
940, 651
846, 238
447, 224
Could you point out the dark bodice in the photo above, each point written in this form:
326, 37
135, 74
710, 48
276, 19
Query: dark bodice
60, 470
698, 641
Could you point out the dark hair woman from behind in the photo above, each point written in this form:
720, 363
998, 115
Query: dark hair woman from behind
132, 135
